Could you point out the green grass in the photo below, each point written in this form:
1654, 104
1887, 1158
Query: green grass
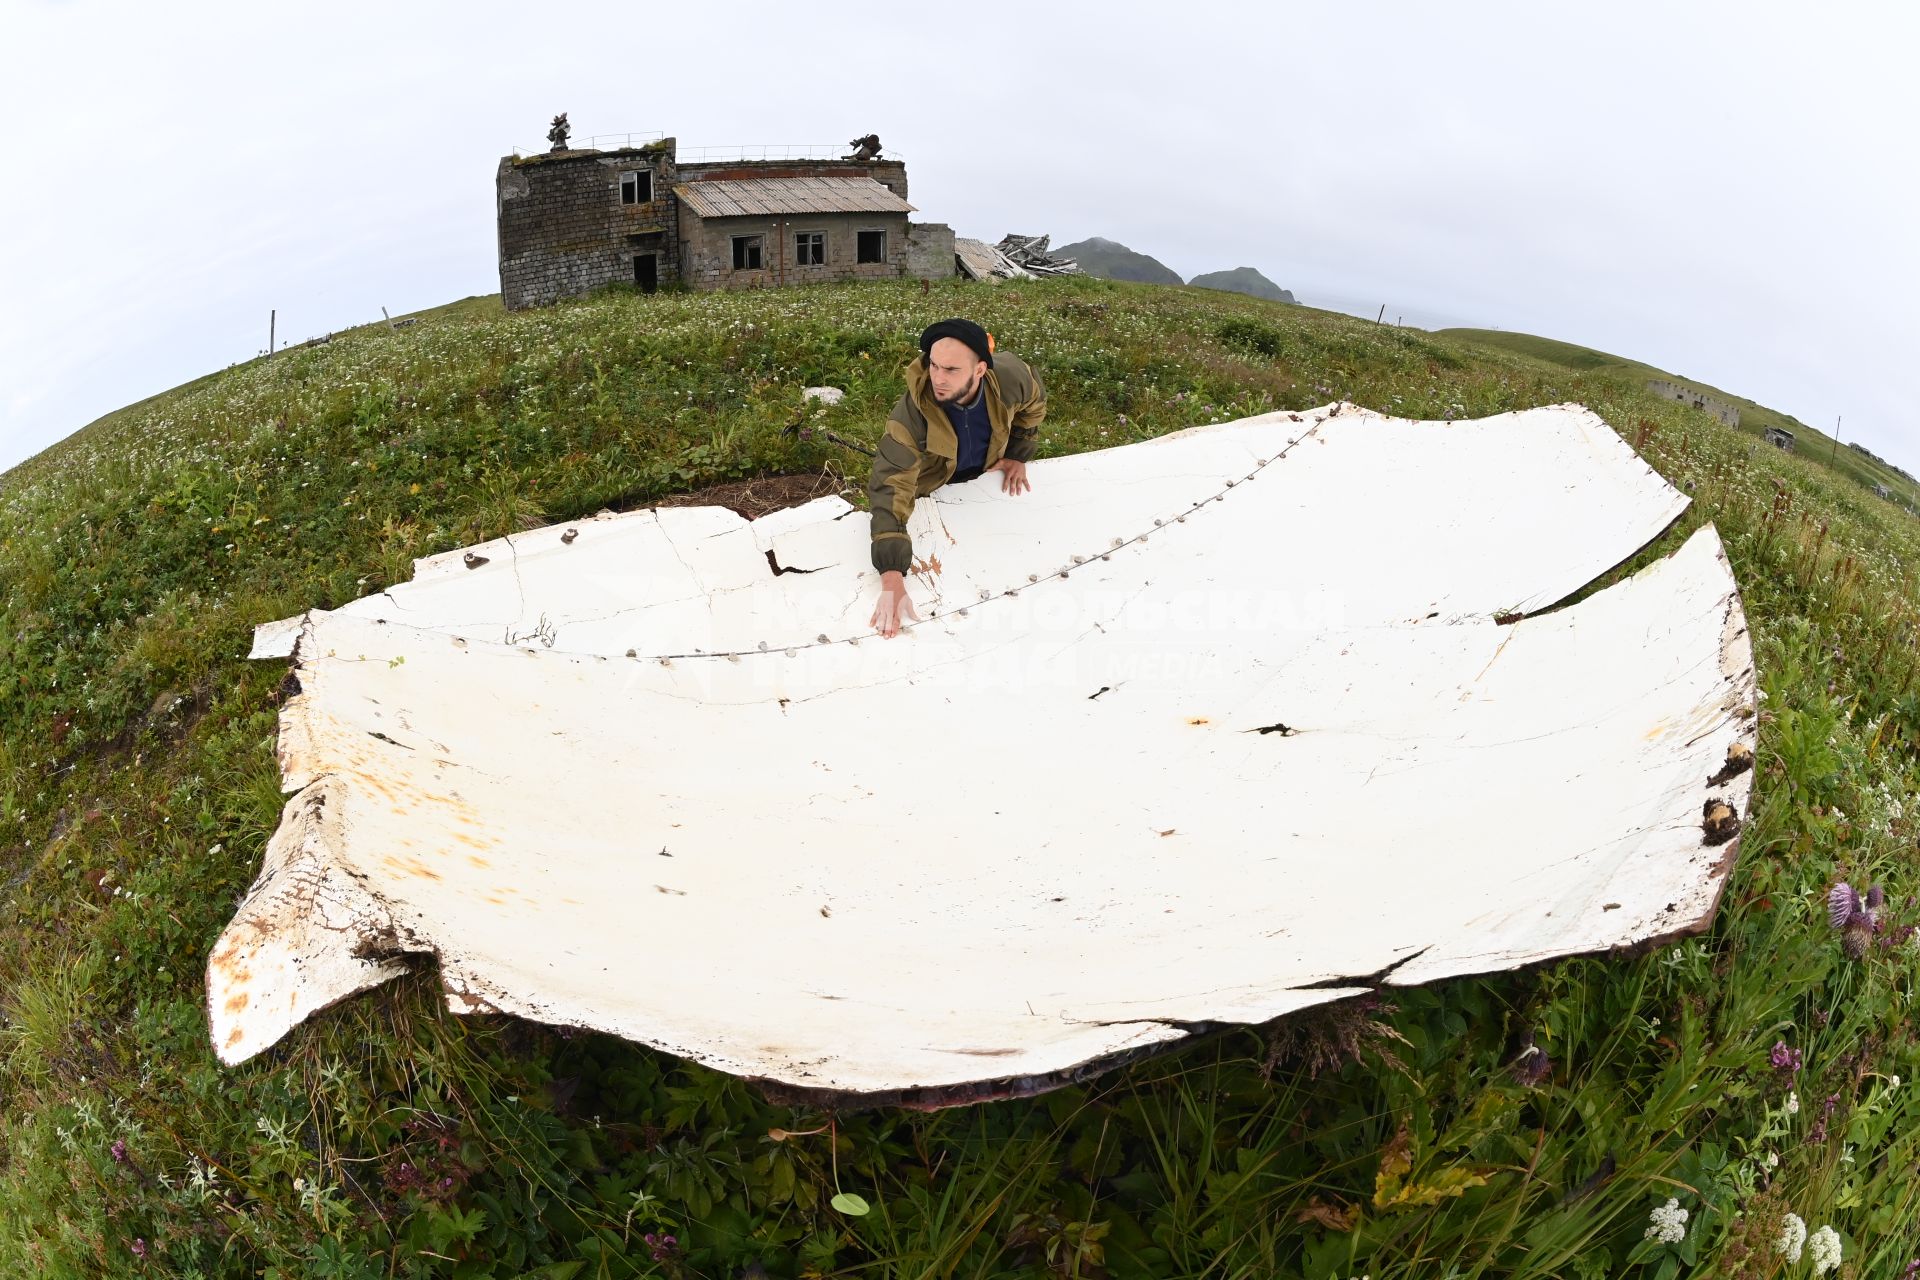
1755, 419
388, 1138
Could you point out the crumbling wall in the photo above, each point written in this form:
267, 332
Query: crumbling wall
929, 251
891, 174
563, 230
1717, 408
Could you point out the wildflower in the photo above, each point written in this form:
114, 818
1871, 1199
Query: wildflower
139, 1248
1856, 918
1793, 1237
1824, 1244
1893, 1082
1668, 1223
1532, 1066
1783, 1058
1773, 1159
118, 1150
1793, 1103
665, 1247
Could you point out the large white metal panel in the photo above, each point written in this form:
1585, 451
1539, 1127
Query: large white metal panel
1202, 730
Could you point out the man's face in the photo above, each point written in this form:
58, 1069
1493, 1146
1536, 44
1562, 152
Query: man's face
954, 371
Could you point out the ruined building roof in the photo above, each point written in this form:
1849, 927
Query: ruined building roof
726, 198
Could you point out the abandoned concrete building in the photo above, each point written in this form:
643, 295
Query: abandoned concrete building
1719, 409
1779, 438
571, 221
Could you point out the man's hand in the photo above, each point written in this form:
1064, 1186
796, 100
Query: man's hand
894, 601
1014, 479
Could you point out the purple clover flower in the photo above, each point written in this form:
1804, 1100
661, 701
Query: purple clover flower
1784, 1058
118, 1150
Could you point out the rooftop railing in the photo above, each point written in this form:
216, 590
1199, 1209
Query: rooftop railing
713, 154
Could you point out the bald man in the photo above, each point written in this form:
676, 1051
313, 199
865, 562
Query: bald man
966, 411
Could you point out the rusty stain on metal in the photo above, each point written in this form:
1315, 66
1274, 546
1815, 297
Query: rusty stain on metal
907, 936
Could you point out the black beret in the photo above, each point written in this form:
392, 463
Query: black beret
965, 330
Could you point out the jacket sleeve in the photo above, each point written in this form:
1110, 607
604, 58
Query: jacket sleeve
1023, 435
890, 494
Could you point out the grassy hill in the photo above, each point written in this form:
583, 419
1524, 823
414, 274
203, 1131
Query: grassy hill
1750, 1073
1754, 418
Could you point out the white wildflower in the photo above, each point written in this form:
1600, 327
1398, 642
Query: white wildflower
1793, 1104
1773, 1159
1668, 1223
1793, 1237
1893, 1082
1825, 1247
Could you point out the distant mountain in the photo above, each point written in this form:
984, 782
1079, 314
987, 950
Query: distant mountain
1243, 280
1112, 261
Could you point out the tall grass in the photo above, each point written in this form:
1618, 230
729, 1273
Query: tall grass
389, 1138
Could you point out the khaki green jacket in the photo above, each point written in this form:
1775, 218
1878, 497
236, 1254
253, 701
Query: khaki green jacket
917, 453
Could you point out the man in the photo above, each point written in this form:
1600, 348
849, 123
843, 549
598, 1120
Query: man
964, 412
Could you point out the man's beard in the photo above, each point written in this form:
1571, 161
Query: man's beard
963, 397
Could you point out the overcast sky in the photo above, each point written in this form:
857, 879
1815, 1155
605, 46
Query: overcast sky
1726, 191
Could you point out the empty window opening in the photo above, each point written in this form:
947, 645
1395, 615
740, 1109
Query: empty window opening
872, 247
636, 186
746, 253
810, 248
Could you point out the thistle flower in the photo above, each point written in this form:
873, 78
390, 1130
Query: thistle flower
1855, 917
1793, 1238
1668, 1223
1824, 1244
1532, 1066
1845, 905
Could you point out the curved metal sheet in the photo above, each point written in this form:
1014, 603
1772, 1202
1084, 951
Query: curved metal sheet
1202, 730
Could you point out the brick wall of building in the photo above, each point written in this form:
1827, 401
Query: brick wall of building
563, 230
1720, 409
891, 174
929, 251
706, 249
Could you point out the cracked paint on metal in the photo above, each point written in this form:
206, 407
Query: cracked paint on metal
1201, 731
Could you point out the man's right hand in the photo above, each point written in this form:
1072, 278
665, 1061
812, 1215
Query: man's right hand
894, 603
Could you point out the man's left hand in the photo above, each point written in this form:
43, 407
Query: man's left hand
1014, 475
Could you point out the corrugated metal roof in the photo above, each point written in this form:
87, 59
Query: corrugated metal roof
723, 198
982, 261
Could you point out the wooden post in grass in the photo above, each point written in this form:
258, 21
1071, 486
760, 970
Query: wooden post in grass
272, 316
1831, 457
1383, 314
389, 319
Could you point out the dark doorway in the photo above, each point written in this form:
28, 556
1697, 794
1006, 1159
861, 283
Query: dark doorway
646, 271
